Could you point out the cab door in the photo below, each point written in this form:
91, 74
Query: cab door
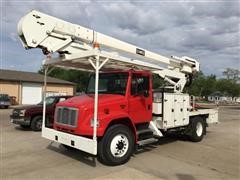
140, 99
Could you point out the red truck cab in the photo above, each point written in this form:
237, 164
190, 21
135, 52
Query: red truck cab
124, 96
124, 114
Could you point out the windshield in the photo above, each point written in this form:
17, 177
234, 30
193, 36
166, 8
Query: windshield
109, 83
4, 97
49, 101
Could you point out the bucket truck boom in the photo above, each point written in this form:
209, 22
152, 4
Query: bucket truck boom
55, 35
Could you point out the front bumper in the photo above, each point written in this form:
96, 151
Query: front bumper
20, 120
78, 142
5, 103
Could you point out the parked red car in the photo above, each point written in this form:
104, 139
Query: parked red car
31, 115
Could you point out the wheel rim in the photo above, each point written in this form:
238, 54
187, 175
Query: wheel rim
199, 129
39, 124
119, 145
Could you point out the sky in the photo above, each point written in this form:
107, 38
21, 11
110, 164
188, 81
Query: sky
208, 31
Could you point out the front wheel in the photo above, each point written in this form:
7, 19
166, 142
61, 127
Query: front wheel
116, 147
198, 129
36, 123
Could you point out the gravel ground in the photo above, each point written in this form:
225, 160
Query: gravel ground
25, 155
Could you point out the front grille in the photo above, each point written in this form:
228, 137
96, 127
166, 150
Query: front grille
16, 113
66, 116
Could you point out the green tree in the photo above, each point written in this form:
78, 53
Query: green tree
202, 85
228, 87
197, 84
209, 85
75, 76
232, 74
157, 81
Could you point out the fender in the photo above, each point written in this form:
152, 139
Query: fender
117, 117
105, 120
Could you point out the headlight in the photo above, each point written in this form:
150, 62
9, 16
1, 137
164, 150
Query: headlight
22, 112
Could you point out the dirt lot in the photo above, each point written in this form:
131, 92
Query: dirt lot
25, 155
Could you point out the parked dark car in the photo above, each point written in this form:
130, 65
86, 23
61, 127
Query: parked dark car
31, 115
5, 101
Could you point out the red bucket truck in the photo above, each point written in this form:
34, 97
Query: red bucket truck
120, 109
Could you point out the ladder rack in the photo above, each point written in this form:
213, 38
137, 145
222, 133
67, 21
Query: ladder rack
84, 61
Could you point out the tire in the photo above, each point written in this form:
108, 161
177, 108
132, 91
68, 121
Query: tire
36, 123
6, 107
116, 146
198, 129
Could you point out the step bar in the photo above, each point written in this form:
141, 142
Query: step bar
147, 141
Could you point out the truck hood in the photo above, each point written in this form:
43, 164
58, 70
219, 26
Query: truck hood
87, 100
34, 106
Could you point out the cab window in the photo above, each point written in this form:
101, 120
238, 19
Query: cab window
139, 85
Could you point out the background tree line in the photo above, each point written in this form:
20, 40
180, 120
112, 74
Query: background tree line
201, 85
80, 78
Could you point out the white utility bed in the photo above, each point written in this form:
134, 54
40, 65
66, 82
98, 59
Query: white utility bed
212, 117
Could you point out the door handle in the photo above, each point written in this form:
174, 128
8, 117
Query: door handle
149, 107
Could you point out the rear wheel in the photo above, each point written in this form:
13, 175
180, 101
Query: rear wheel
116, 147
36, 124
198, 129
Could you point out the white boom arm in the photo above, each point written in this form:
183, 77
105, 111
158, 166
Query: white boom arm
38, 30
